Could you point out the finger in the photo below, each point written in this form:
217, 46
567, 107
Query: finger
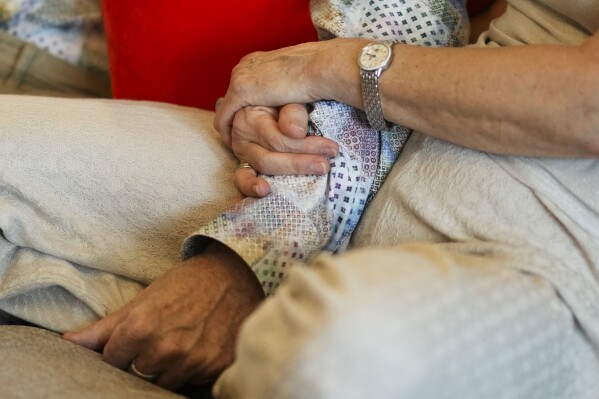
278, 163
249, 184
133, 336
314, 145
168, 374
258, 125
223, 118
96, 335
176, 358
293, 120
201, 366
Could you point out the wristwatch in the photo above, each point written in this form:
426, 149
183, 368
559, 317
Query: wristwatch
373, 60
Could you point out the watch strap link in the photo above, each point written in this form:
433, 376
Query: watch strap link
372, 99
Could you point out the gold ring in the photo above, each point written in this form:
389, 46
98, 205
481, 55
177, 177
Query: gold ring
244, 165
148, 377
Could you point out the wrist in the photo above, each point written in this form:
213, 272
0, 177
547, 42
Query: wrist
374, 59
223, 258
337, 74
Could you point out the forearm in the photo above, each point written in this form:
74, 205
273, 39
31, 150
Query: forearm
533, 100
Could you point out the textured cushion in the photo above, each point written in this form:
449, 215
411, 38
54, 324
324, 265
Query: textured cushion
36, 363
183, 51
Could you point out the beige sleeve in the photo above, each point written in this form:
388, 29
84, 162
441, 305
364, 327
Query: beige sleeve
418, 321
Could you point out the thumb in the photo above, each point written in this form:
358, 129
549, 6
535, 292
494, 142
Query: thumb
249, 184
293, 121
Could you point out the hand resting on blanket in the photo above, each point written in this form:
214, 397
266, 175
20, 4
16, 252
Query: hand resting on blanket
183, 327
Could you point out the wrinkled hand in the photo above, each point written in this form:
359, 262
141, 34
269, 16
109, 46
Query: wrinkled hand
184, 325
293, 75
275, 143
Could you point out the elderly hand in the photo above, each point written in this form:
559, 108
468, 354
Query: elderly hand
299, 74
275, 143
182, 328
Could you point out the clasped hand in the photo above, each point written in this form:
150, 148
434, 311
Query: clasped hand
275, 142
263, 118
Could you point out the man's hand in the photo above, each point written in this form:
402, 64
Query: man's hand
275, 143
184, 325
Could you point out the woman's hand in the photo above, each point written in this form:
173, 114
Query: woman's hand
183, 327
275, 143
299, 74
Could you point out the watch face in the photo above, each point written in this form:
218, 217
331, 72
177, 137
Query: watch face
375, 56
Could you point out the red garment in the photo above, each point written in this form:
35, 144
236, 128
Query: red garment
183, 51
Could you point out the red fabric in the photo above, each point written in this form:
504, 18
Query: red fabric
183, 51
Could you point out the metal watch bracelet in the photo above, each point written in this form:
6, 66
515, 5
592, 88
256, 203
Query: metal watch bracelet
372, 99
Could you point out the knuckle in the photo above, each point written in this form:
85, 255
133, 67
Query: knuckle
169, 349
139, 327
237, 69
244, 68
238, 82
246, 59
251, 58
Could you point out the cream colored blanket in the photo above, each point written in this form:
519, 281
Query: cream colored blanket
96, 198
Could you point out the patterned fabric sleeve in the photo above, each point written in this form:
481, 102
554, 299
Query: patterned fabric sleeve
306, 215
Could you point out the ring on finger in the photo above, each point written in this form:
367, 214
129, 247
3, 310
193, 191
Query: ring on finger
135, 371
245, 165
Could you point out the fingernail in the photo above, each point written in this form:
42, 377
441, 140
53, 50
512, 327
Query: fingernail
303, 129
217, 104
257, 191
318, 168
329, 152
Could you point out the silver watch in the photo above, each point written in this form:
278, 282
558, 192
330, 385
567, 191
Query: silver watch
373, 60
